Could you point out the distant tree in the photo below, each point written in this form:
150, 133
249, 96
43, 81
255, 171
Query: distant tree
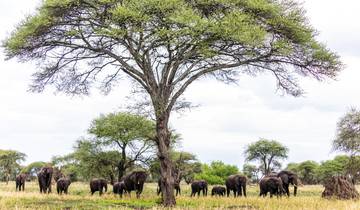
33, 169
216, 172
348, 139
294, 167
131, 135
267, 152
252, 172
306, 171
166, 45
335, 167
90, 160
185, 166
10, 163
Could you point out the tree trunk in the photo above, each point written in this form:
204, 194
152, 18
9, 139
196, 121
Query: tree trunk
121, 166
167, 179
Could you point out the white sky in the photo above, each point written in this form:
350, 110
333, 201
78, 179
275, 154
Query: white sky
229, 118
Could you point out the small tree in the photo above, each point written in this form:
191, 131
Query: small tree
166, 45
252, 172
306, 171
216, 172
131, 135
10, 162
33, 169
185, 164
348, 139
92, 161
267, 152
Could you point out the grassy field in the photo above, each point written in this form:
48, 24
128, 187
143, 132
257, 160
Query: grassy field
80, 198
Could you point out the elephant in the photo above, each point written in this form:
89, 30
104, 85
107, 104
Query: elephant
237, 184
98, 185
198, 186
287, 178
218, 190
119, 188
62, 185
44, 178
135, 181
271, 184
20, 182
176, 187
58, 174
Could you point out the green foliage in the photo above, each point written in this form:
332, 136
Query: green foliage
10, 163
251, 172
267, 152
131, 135
348, 133
208, 28
186, 165
216, 172
307, 171
122, 127
334, 167
89, 161
33, 168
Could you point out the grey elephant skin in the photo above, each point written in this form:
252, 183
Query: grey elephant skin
44, 178
135, 181
198, 186
62, 185
98, 185
237, 184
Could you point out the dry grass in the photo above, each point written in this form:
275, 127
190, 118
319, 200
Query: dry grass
79, 198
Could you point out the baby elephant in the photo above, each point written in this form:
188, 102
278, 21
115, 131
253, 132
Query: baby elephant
218, 190
119, 188
62, 185
273, 185
20, 182
98, 185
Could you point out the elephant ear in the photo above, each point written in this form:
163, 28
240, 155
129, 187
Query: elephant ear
284, 178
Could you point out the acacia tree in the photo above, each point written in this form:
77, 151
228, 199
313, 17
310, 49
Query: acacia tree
166, 45
267, 152
10, 162
348, 139
130, 134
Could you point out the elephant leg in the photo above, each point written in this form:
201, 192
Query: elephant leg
240, 191
227, 192
295, 190
234, 191
287, 190
244, 190
23, 187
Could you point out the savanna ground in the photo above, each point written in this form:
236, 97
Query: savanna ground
80, 198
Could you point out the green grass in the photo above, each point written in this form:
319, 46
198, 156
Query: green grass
79, 198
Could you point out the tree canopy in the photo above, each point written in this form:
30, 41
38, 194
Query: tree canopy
131, 135
10, 163
267, 152
348, 133
216, 172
